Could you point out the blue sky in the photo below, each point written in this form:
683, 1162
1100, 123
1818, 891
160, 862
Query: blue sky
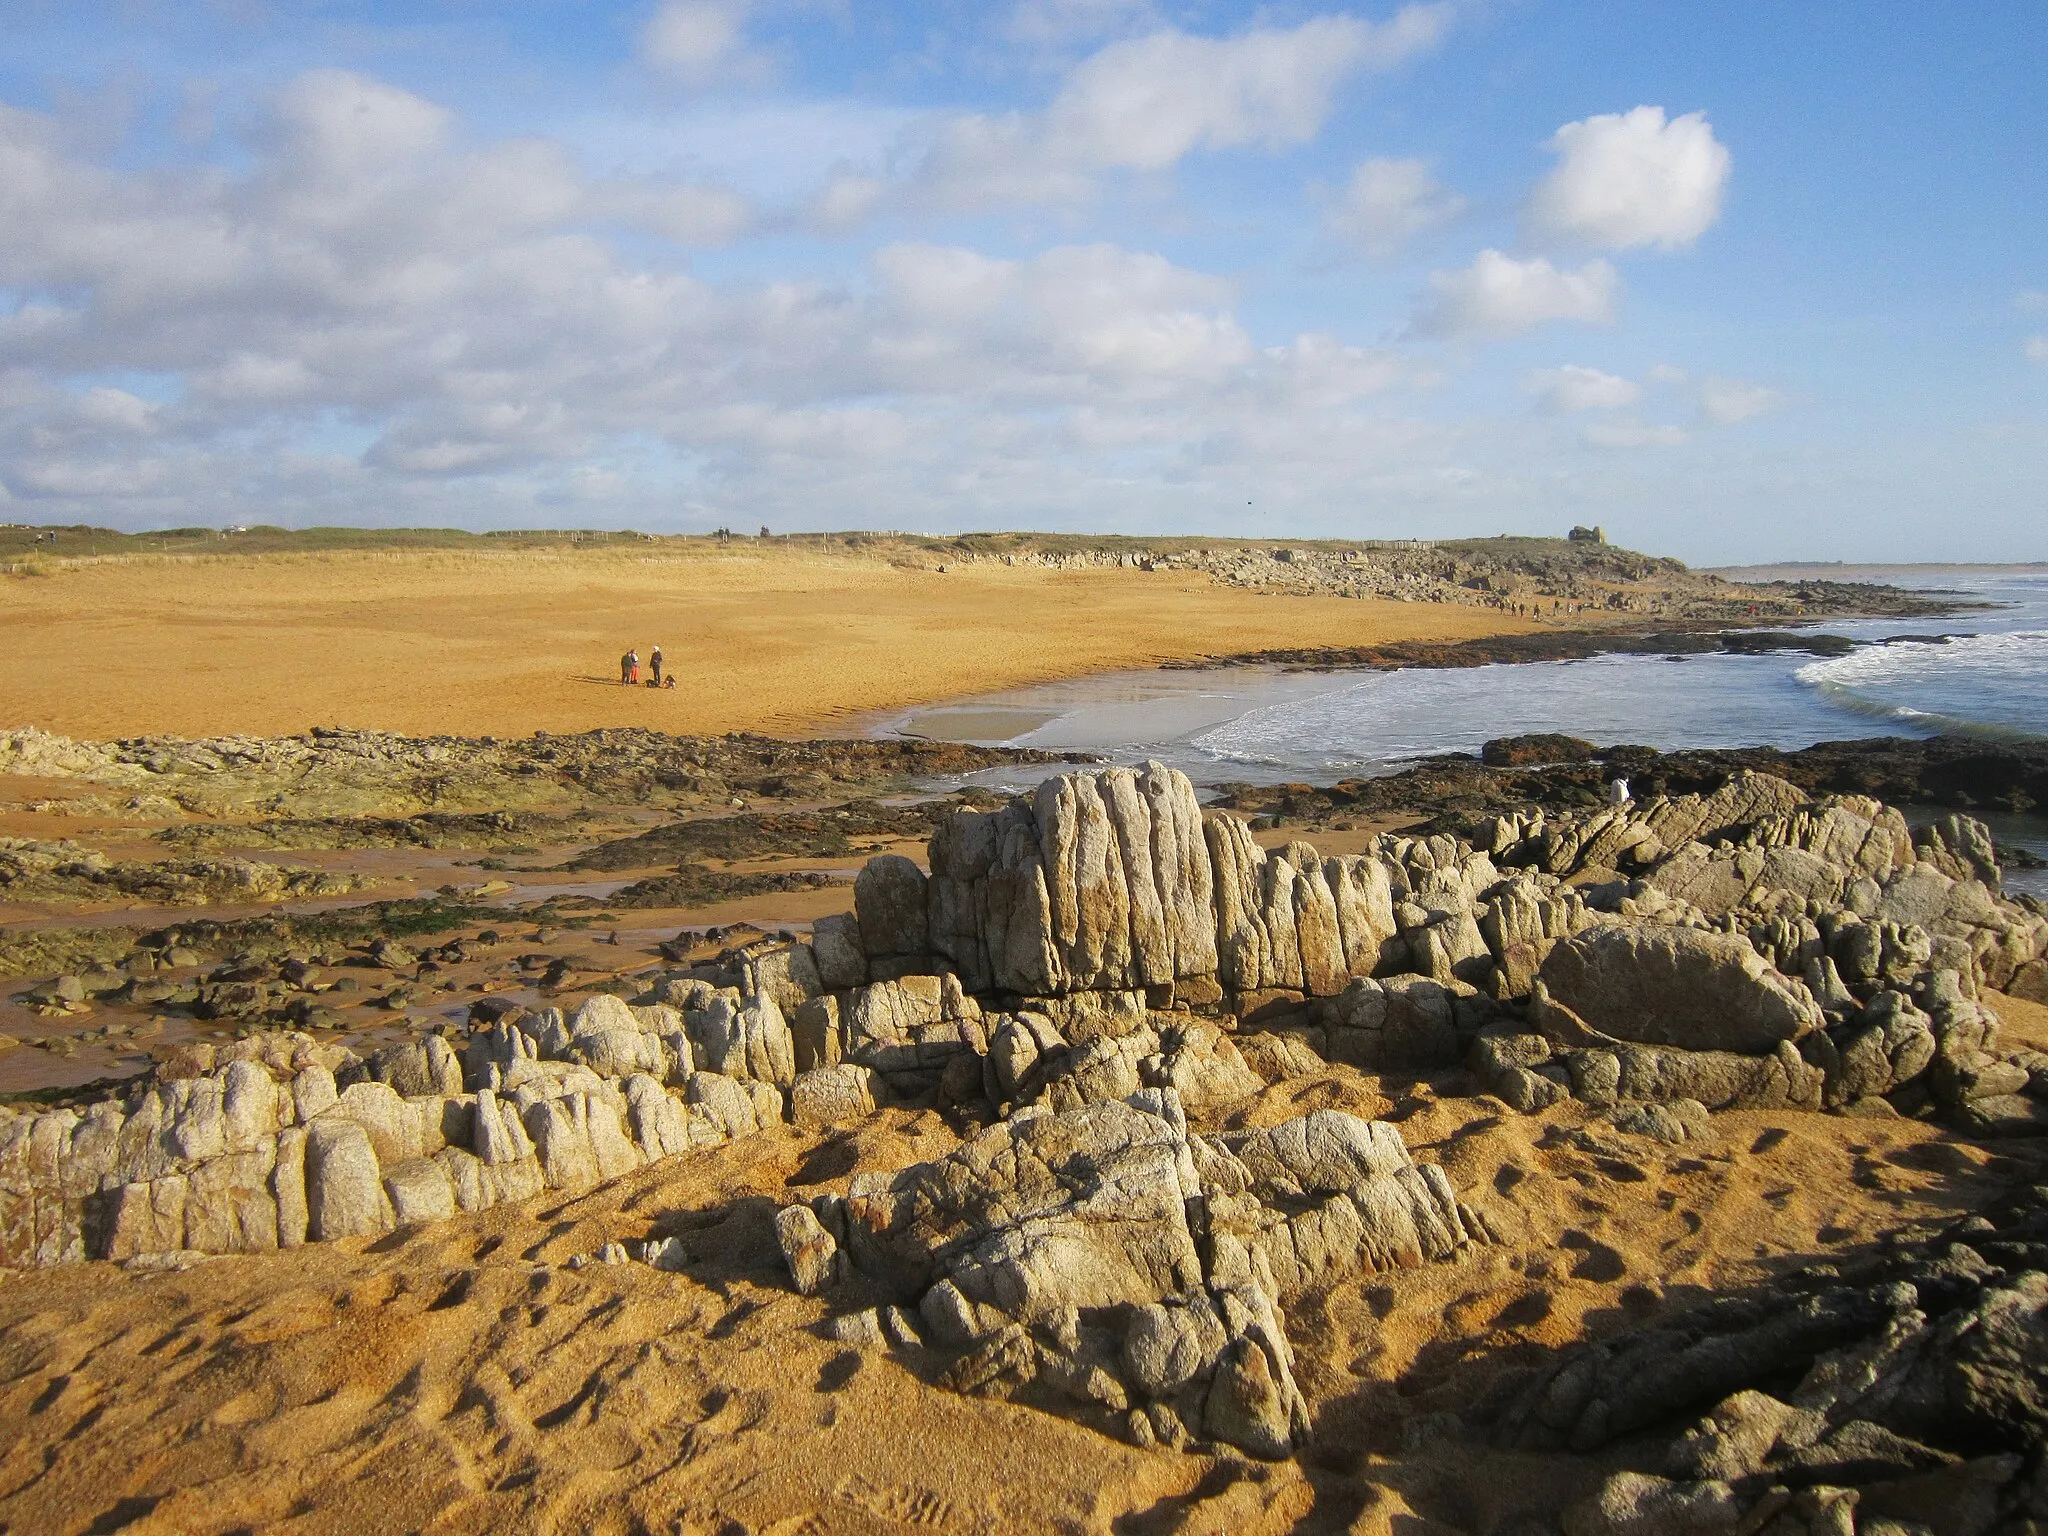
1739, 282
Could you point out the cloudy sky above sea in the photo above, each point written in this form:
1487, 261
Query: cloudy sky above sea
1739, 281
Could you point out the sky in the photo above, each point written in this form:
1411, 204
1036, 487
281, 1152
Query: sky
1738, 282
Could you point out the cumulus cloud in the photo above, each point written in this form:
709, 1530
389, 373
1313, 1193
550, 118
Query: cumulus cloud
1144, 103
1499, 295
371, 316
700, 42
1631, 179
1573, 388
1387, 203
2037, 349
1727, 401
1629, 434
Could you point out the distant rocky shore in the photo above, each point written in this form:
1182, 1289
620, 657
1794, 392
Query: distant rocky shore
1456, 791
1724, 638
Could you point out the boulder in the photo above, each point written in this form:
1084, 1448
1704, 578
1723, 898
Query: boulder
344, 1186
889, 905
835, 1095
789, 974
420, 1190
1682, 987
837, 953
816, 1034
608, 1037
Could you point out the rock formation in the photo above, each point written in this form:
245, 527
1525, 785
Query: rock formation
1085, 972
1129, 1264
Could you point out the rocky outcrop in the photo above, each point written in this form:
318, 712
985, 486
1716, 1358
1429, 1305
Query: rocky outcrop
278, 1141
1087, 946
65, 872
1107, 1253
1904, 1388
1101, 882
1653, 984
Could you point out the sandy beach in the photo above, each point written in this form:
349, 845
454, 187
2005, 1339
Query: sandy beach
787, 641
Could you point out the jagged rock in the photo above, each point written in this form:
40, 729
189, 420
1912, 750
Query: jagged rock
746, 1038
1103, 1070
1961, 847
1720, 1079
724, 1103
1100, 882
1084, 1016
1676, 1122
1659, 985
420, 1190
889, 905
1276, 1057
1248, 1405
1050, 1215
1172, 1342
607, 1036
419, 1067
1364, 900
1200, 1063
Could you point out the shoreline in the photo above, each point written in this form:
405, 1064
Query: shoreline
796, 639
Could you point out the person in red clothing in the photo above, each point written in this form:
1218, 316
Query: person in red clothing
629, 668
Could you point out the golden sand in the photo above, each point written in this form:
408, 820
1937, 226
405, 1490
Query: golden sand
458, 1378
787, 641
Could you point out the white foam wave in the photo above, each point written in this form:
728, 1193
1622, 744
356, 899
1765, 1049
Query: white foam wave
1996, 683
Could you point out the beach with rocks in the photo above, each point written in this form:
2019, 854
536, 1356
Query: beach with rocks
625, 1129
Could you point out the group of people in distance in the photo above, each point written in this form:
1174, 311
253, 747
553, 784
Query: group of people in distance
629, 670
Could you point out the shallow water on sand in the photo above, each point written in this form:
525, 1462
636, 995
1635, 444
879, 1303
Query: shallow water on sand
1981, 672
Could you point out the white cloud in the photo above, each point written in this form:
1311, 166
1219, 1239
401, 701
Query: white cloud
699, 216
1572, 388
2034, 300
1628, 434
1632, 179
1666, 373
1727, 401
1387, 203
1145, 103
452, 331
1498, 295
847, 200
699, 42
2037, 349
335, 124
117, 408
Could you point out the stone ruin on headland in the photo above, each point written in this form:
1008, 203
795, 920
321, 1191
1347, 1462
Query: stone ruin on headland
1083, 973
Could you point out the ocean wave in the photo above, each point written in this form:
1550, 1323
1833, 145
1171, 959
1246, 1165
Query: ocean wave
1988, 685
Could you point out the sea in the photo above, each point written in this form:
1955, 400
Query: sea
1982, 671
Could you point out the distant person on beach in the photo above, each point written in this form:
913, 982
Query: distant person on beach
629, 668
654, 665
